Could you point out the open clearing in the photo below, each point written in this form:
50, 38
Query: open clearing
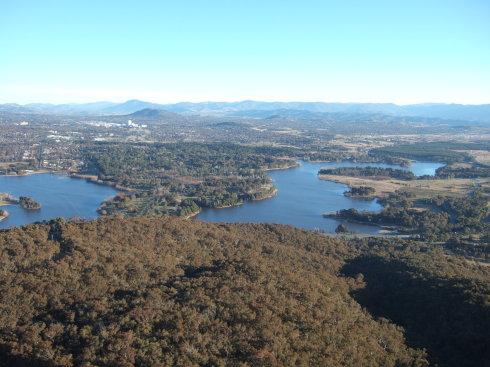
421, 188
481, 156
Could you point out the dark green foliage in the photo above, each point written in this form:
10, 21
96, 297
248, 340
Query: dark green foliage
163, 176
475, 171
468, 214
376, 172
433, 151
397, 160
341, 228
442, 219
130, 164
360, 191
29, 203
442, 304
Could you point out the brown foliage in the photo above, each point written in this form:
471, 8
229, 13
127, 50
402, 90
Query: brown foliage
161, 292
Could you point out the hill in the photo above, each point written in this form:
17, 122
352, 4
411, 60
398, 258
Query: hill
129, 107
432, 111
457, 112
151, 113
173, 292
142, 291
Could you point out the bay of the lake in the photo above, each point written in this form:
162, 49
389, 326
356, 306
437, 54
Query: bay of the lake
303, 198
59, 195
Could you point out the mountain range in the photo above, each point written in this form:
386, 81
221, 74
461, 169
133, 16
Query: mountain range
474, 113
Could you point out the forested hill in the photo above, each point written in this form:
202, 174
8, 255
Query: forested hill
162, 292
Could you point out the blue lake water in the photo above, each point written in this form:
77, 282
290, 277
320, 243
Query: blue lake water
302, 198
59, 195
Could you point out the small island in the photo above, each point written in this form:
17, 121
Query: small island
29, 203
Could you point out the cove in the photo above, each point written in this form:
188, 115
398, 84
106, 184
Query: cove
302, 198
59, 195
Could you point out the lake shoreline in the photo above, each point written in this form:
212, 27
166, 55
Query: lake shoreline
5, 215
281, 168
89, 178
27, 173
303, 172
268, 196
305, 198
57, 194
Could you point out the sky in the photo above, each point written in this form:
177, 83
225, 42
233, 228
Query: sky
405, 51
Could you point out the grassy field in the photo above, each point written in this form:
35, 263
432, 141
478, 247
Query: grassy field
421, 188
481, 156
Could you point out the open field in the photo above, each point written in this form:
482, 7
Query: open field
421, 188
481, 156
363, 143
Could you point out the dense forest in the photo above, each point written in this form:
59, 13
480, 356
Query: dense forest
29, 203
468, 171
360, 191
165, 291
441, 300
178, 179
448, 152
436, 219
376, 172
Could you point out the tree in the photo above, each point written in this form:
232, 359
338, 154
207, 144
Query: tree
341, 228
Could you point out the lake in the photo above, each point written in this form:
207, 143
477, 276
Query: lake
302, 198
59, 195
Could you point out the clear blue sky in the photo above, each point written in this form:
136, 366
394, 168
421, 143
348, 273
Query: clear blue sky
165, 51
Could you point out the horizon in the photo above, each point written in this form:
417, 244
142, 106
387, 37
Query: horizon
239, 101
412, 52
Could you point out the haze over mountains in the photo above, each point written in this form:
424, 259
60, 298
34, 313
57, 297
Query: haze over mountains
475, 113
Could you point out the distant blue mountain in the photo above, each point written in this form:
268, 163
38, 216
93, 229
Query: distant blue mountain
474, 113
129, 107
152, 113
69, 108
477, 113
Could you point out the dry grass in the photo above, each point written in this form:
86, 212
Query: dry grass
381, 187
421, 188
481, 156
